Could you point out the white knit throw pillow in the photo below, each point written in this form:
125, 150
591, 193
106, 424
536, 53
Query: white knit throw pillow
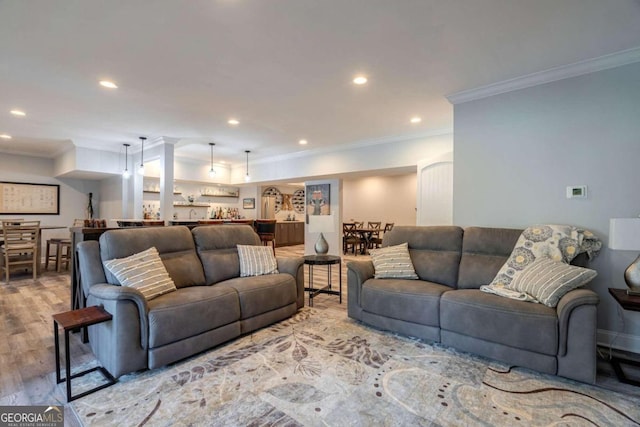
256, 260
143, 271
393, 262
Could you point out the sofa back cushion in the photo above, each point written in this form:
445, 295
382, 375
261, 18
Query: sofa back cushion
435, 251
174, 244
484, 252
217, 248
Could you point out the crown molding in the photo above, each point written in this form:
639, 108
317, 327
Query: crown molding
587, 66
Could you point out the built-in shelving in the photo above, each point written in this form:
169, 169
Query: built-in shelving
218, 195
157, 192
191, 205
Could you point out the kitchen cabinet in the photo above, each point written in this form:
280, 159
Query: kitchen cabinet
289, 233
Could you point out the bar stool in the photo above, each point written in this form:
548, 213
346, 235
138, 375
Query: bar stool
62, 253
266, 229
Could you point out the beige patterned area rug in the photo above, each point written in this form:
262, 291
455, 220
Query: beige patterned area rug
317, 370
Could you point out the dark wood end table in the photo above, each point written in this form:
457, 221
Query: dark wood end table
631, 303
70, 320
328, 260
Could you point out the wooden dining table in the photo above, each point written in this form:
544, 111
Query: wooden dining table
366, 234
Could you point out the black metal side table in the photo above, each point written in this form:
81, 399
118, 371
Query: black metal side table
328, 260
631, 303
68, 321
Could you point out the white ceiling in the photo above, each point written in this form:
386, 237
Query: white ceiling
281, 67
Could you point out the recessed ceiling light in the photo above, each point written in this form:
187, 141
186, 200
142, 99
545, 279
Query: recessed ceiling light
5, 136
233, 122
302, 142
415, 119
360, 80
108, 84
18, 113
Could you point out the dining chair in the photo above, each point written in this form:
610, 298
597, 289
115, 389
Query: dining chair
10, 220
266, 229
375, 235
20, 247
350, 238
387, 227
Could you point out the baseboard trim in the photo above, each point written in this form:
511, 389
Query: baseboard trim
618, 340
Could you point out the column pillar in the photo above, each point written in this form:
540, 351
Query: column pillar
166, 180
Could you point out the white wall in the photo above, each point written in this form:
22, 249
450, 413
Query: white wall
383, 198
111, 198
515, 153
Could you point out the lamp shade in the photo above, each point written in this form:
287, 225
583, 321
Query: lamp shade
624, 234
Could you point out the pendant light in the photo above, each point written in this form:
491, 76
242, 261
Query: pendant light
125, 173
141, 168
212, 172
247, 178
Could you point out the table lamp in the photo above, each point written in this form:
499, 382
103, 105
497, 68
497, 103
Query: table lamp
624, 235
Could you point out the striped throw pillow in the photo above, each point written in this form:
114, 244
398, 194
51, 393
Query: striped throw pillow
256, 260
547, 280
393, 262
143, 271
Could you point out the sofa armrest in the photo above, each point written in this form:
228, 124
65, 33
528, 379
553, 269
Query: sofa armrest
358, 272
109, 295
91, 269
294, 267
567, 304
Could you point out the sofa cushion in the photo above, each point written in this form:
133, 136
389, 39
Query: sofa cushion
547, 280
174, 244
260, 294
484, 252
191, 311
256, 260
435, 251
415, 301
505, 321
143, 271
559, 242
216, 247
393, 262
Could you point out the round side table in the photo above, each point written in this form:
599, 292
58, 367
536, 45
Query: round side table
328, 260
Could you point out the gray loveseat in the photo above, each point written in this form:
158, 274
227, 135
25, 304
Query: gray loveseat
211, 305
446, 305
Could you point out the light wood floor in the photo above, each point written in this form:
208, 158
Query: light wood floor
27, 364
27, 360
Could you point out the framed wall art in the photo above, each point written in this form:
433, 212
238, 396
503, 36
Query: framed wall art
318, 199
249, 203
19, 198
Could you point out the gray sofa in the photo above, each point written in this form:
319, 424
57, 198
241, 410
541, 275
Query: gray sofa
212, 304
446, 305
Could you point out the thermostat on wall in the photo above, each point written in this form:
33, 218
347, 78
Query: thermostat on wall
577, 192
